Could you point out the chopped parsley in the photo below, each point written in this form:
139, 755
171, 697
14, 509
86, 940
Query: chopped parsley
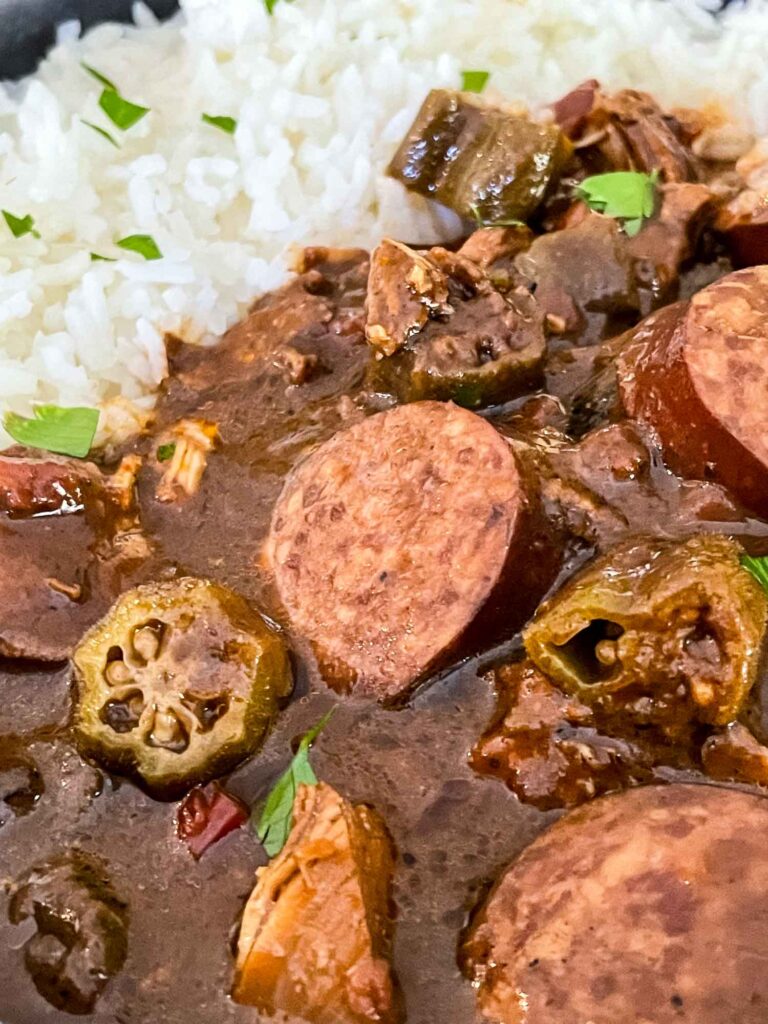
55, 429
102, 79
226, 124
474, 81
273, 822
102, 131
98, 258
758, 567
144, 245
271, 4
165, 452
629, 196
20, 226
120, 111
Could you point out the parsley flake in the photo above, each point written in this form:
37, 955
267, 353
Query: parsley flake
20, 226
474, 81
120, 111
226, 124
144, 245
102, 131
98, 258
271, 4
629, 196
106, 82
758, 567
273, 825
67, 431
165, 451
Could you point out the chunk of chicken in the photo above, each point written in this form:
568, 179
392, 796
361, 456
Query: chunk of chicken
626, 130
191, 442
315, 936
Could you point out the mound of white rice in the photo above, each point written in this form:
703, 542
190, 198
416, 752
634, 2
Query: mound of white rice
322, 91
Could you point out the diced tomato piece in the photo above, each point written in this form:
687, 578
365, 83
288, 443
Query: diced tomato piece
206, 815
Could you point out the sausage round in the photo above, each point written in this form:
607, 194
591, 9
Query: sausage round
30, 486
389, 540
650, 906
697, 372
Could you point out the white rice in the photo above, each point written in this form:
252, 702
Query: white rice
322, 92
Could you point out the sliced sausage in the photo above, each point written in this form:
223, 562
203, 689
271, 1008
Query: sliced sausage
32, 486
698, 374
650, 907
390, 539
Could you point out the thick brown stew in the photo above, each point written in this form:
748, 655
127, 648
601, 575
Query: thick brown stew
490, 502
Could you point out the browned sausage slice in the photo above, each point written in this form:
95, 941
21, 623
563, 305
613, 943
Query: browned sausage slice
698, 374
390, 538
648, 907
30, 486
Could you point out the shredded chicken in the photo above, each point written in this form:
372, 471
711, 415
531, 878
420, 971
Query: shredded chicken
192, 440
315, 935
71, 590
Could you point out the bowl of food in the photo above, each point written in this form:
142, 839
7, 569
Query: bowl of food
383, 512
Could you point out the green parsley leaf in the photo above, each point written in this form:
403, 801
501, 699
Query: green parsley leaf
98, 258
274, 822
227, 124
98, 76
758, 567
120, 111
144, 245
20, 226
631, 227
102, 131
165, 452
271, 4
474, 81
629, 196
55, 429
